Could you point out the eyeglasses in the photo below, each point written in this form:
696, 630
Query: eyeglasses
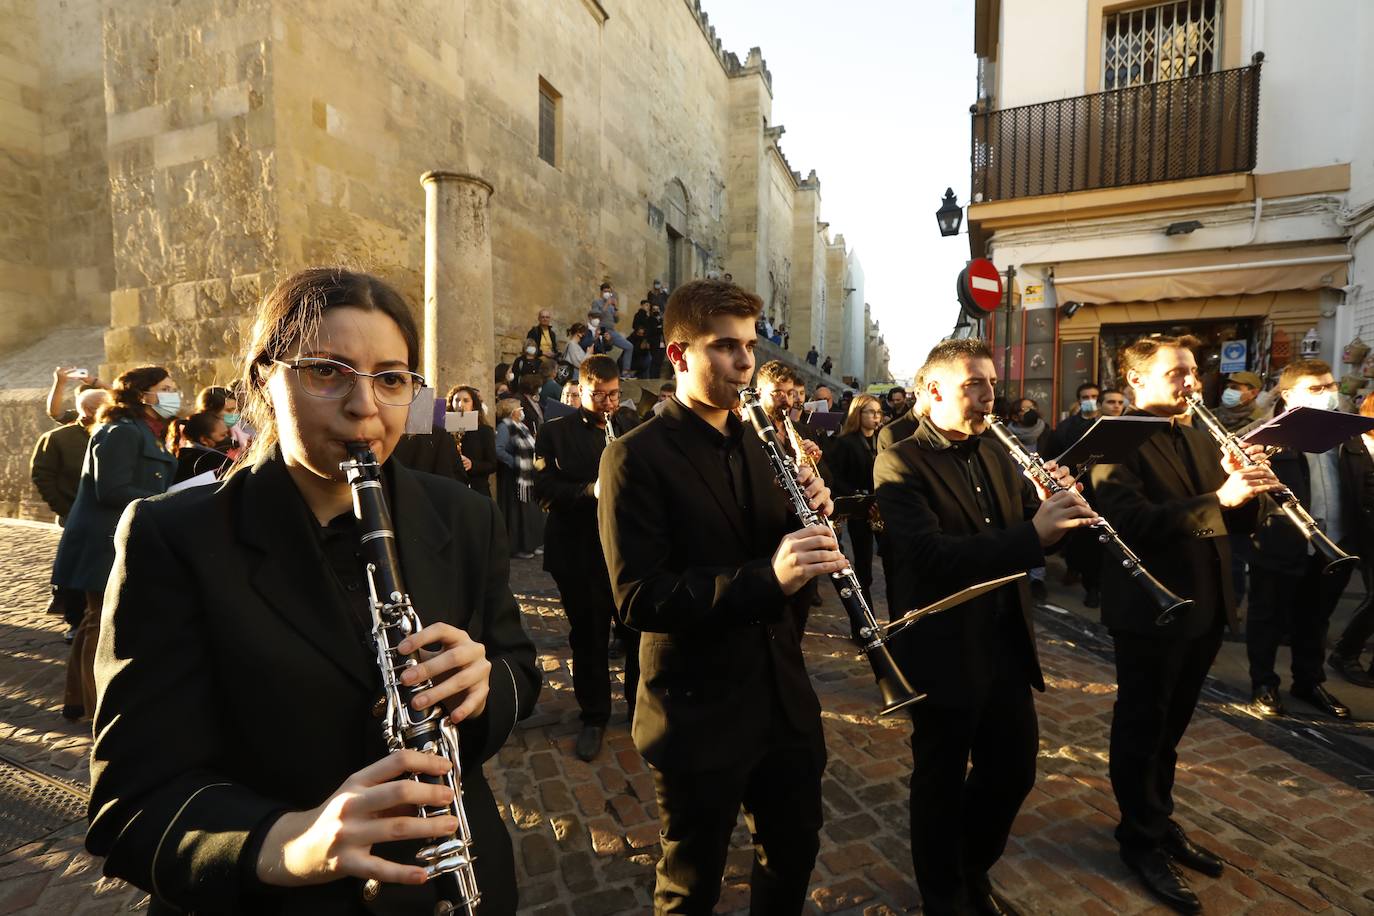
871, 413
601, 397
328, 378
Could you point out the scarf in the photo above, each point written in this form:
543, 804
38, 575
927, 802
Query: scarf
522, 445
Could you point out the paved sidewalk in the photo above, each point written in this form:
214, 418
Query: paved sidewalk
1293, 818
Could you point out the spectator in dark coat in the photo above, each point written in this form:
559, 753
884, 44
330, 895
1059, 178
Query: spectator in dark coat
544, 337
125, 461
476, 447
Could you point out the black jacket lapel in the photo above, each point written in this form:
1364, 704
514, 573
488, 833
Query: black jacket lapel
421, 538
292, 574
947, 468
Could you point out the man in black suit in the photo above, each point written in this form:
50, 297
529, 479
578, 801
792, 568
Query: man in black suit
1173, 502
1083, 551
568, 462
894, 431
706, 561
957, 512
1288, 584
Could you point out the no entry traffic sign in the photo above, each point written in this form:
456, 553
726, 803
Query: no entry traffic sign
980, 288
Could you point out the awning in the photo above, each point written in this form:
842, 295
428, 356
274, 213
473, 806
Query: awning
1201, 274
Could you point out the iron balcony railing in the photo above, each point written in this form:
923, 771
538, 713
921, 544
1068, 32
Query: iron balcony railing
1162, 131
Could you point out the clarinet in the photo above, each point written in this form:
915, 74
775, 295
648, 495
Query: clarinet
1287, 501
896, 690
1168, 603
610, 430
448, 862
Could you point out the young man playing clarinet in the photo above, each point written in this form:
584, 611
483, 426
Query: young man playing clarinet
957, 512
569, 459
1174, 502
707, 563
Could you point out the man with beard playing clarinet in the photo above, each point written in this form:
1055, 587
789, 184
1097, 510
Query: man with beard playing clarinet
706, 561
1174, 501
958, 511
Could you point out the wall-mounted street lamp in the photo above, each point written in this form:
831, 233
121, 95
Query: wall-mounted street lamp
950, 216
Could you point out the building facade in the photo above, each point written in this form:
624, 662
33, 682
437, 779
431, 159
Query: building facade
1190, 166
164, 164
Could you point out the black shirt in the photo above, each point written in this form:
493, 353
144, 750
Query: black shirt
730, 447
339, 542
976, 476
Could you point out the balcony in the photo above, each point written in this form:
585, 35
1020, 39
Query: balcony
1163, 131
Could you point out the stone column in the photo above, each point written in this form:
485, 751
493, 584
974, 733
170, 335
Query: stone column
460, 325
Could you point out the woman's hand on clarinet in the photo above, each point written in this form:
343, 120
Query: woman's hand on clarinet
803, 555
460, 670
374, 805
817, 493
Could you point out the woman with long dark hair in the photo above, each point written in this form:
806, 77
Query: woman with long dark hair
125, 461
239, 762
851, 460
476, 447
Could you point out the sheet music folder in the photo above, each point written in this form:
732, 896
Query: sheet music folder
1110, 440
1309, 429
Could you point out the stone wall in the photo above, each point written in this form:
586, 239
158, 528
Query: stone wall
24, 300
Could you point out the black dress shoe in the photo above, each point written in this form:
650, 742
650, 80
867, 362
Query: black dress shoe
1185, 852
1162, 878
1266, 700
1349, 668
589, 741
1321, 698
1092, 598
993, 904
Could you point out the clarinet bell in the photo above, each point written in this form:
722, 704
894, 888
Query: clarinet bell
1336, 559
896, 690
1168, 603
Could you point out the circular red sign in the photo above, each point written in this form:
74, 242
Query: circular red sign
981, 282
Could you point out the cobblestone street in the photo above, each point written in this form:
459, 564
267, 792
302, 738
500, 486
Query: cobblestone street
1288, 808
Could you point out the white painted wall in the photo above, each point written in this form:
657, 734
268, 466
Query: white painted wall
851, 358
1042, 51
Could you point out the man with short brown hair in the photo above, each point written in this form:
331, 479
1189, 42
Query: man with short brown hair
707, 561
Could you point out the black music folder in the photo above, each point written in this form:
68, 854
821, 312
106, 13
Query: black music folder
1110, 440
555, 409
1309, 429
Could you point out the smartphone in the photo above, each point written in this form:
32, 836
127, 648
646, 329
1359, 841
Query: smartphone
81, 373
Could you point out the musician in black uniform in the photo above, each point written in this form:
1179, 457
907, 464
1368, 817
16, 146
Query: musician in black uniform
568, 460
958, 512
1289, 588
1173, 502
707, 563
239, 764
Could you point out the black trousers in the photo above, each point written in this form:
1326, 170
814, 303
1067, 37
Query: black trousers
1299, 604
590, 608
779, 788
1083, 555
861, 538
1158, 684
1361, 625
961, 816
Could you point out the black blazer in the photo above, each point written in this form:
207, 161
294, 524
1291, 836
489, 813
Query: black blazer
851, 462
937, 543
434, 452
235, 686
1176, 527
721, 645
1279, 545
889, 434
568, 460
479, 446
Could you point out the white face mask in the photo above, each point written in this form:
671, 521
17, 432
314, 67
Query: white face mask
594, 323
529, 351
1088, 405
168, 404
606, 295
1327, 400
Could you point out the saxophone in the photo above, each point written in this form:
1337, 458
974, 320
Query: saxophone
447, 862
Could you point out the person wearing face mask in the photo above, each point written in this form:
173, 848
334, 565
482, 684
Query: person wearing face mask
1082, 550
658, 296
1287, 584
125, 461
544, 336
224, 403
606, 308
527, 363
574, 353
1026, 424
239, 614
201, 443
1071, 428
1238, 408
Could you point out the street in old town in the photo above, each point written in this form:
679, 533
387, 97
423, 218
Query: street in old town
1287, 804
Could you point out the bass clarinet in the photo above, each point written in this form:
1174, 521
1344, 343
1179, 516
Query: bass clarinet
1232, 447
1168, 603
448, 862
896, 690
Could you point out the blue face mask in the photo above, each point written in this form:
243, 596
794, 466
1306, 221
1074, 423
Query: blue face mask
1088, 405
1230, 397
230, 419
168, 404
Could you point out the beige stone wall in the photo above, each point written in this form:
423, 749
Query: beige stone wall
193, 181
777, 249
24, 290
833, 343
